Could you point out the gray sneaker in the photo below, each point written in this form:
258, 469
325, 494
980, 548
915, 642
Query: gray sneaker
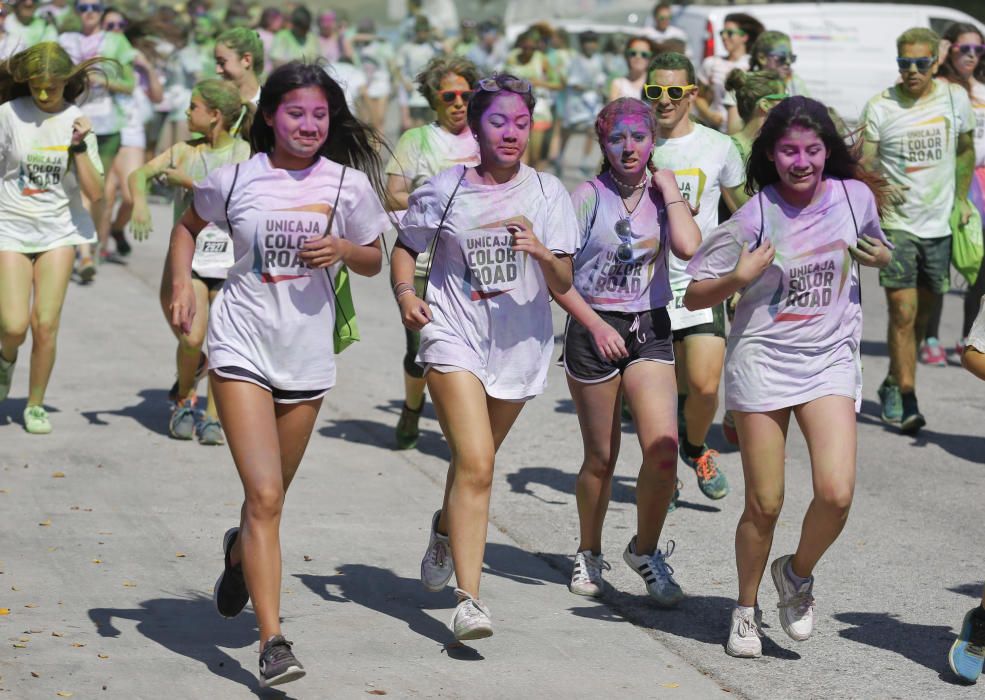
437, 565
182, 423
656, 573
891, 400
209, 432
278, 663
796, 604
471, 619
6, 377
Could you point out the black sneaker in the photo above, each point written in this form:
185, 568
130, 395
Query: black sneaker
122, 244
277, 663
912, 419
230, 593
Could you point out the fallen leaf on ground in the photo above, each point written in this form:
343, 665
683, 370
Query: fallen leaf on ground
97, 561
57, 634
103, 656
4, 491
31, 605
180, 555
671, 685
45, 523
23, 639
63, 694
58, 475
307, 558
129, 584
35, 674
18, 645
376, 692
4, 611
77, 645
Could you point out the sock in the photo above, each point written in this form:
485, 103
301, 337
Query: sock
692, 451
909, 401
796, 580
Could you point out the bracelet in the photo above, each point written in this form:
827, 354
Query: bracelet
676, 201
80, 147
401, 288
402, 292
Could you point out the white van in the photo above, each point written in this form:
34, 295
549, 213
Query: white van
846, 52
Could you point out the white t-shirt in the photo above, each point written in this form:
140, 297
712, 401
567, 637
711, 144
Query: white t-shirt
714, 70
918, 150
704, 162
107, 116
36, 206
978, 105
976, 336
275, 315
609, 275
491, 305
425, 151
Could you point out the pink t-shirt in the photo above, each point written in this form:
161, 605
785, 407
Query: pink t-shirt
802, 316
626, 274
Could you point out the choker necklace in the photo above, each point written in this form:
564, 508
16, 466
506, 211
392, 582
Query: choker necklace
627, 186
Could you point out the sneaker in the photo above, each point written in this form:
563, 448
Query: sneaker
209, 432
437, 565
200, 371
656, 572
122, 244
87, 269
954, 356
931, 353
912, 419
586, 576
672, 506
891, 400
728, 429
745, 633
182, 423
278, 664
471, 618
36, 420
6, 377
711, 481
796, 604
230, 593
968, 651
407, 430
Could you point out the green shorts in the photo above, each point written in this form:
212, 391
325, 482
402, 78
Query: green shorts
716, 328
923, 263
109, 146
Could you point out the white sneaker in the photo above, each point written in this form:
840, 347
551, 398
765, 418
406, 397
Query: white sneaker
656, 572
6, 377
796, 604
437, 565
744, 635
471, 619
586, 576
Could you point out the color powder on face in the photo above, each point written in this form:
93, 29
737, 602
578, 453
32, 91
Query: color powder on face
629, 144
301, 121
504, 130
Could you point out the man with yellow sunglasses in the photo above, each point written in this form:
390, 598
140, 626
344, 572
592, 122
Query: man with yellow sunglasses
708, 166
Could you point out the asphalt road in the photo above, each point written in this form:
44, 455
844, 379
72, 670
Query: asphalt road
111, 540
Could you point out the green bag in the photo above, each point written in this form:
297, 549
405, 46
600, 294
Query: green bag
346, 331
967, 247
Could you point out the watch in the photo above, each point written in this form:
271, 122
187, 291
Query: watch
80, 147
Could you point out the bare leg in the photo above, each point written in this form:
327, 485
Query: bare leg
902, 337
705, 358
190, 346
127, 160
16, 281
829, 427
762, 442
52, 271
414, 391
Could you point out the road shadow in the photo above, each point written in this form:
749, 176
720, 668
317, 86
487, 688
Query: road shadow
177, 625
12, 411
926, 645
967, 447
972, 590
152, 412
874, 348
623, 487
381, 435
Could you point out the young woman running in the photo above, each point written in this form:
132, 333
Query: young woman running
794, 344
619, 341
215, 107
239, 59
294, 210
44, 138
504, 237
448, 83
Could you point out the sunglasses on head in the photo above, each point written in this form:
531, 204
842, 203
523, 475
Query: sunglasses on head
633, 53
731, 32
968, 49
89, 7
500, 82
449, 96
675, 92
922, 64
783, 58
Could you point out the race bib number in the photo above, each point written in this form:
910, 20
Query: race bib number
681, 317
213, 252
280, 240
493, 267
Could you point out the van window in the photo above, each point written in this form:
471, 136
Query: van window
940, 24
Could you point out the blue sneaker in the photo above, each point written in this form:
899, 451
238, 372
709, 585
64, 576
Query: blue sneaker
711, 481
892, 402
968, 651
182, 423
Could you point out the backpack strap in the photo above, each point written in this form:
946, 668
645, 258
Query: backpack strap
762, 220
850, 208
595, 211
229, 198
437, 233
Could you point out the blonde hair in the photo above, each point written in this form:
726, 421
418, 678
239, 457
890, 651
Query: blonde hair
47, 60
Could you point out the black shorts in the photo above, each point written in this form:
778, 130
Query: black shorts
647, 335
213, 284
280, 395
716, 328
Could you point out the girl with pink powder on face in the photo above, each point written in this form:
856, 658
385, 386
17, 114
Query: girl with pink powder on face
794, 343
618, 340
502, 238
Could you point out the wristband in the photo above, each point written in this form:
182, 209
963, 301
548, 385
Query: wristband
676, 201
402, 292
80, 147
402, 288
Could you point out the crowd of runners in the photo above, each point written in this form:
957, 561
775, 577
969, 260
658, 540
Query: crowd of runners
718, 243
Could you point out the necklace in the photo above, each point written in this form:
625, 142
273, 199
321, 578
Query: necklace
625, 185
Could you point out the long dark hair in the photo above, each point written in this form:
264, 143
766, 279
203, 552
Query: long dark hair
947, 70
807, 114
349, 141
